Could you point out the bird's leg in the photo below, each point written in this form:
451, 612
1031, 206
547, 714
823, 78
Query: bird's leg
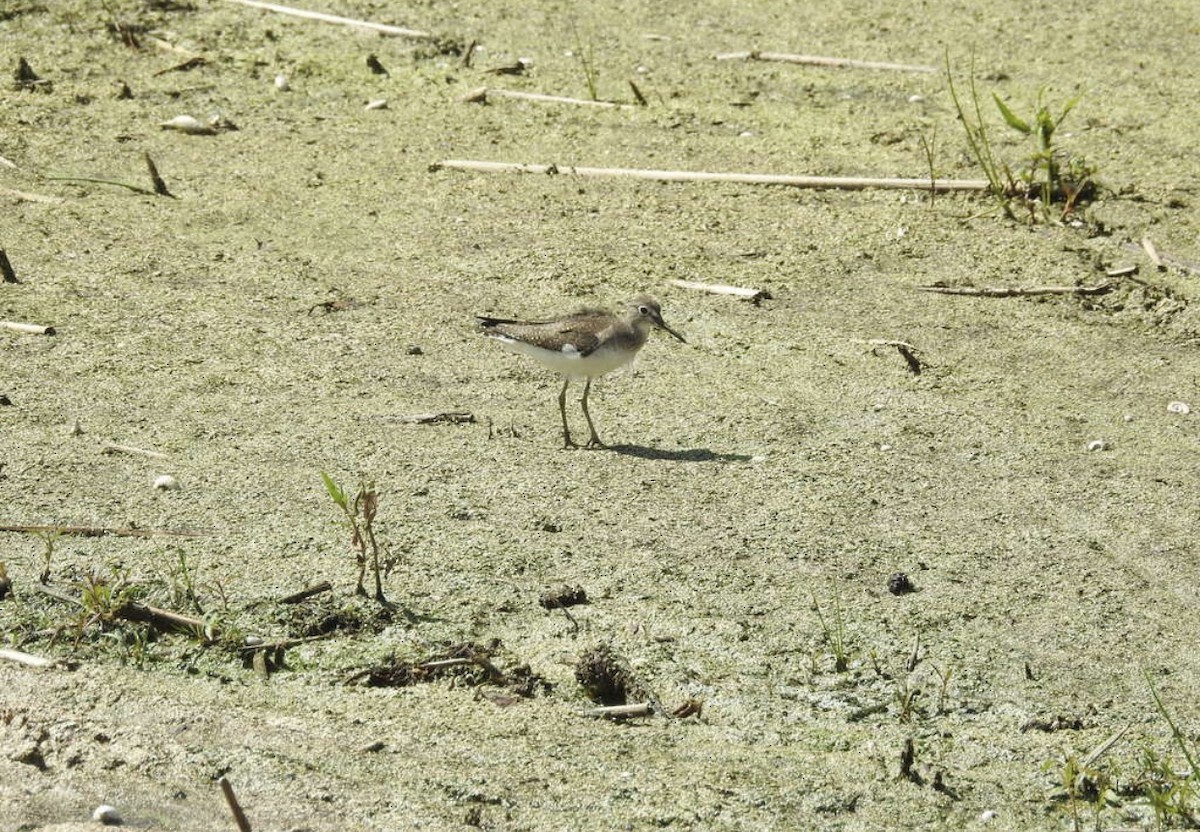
568, 442
594, 441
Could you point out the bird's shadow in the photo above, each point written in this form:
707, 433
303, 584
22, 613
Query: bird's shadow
684, 455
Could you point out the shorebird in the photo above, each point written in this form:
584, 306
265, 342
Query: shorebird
584, 344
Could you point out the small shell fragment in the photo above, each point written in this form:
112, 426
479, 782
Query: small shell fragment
166, 483
281, 83
107, 815
1179, 407
377, 104
1097, 445
189, 125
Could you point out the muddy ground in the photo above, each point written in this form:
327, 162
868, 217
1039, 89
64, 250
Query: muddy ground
765, 480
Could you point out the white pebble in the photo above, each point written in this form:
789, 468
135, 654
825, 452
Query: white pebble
281, 83
1097, 445
108, 815
166, 483
885, 447
1179, 407
915, 99
988, 815
377, 104
187, 124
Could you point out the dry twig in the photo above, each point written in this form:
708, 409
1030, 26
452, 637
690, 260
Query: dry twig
907, 351
97, 180
133, 611
452, 417
27, 659
481, 95
239, 817
306, 593
838, 182
752, 295
97, 531
622, 711
190, 64
31, 197
814, 60
1152, 252
32, 329
113, 448
385, 28
1017, 291
165, 620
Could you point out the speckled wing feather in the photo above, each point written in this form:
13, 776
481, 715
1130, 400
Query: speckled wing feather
550, 335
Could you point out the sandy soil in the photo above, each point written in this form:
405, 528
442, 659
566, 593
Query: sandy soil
765, 480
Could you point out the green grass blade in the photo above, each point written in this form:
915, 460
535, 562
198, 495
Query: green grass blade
1010, 118
335, 491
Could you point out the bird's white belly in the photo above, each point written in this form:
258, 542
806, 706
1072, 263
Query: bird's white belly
571, 363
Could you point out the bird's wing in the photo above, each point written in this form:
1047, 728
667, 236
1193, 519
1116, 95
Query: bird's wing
551, 335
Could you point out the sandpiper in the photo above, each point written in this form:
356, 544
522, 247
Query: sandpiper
584, 344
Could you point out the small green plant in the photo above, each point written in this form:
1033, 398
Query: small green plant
1189, 753
1046, 174
359, 514
944, 677
928, 146
907, 696
587, 61
1173, 794
48, 538
183, 585
834, 630
1049, 177
102, 600
1085, 785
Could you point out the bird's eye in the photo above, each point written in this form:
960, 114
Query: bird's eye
644, 310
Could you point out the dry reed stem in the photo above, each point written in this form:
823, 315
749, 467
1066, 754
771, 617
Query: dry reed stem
836, 182
752, 295
96, 531
481, 95
1016, 292
386, 28
27, 659
31, 197
815, 60
31, 329
1152, 252
113, 448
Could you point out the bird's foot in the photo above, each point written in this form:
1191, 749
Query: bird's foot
595, 442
